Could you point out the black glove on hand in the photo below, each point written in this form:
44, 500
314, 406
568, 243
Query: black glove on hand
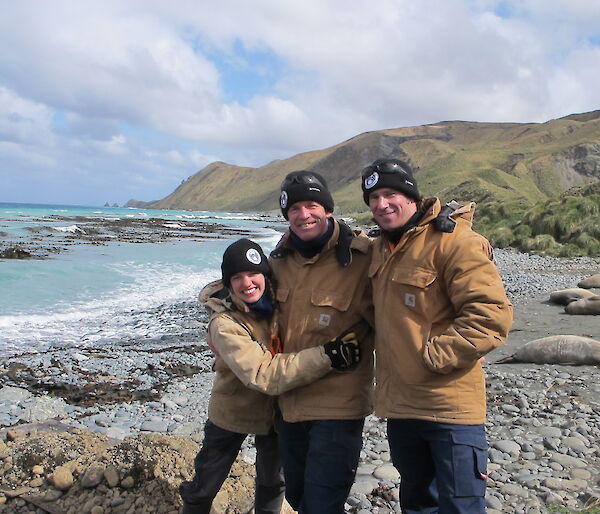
343, 351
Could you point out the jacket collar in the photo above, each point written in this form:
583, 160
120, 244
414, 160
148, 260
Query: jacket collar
432, 207
342, 241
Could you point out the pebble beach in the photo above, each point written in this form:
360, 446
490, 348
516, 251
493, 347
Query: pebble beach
543, 420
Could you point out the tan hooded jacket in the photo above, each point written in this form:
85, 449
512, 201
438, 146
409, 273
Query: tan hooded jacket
319, 300
440, 305
246, 372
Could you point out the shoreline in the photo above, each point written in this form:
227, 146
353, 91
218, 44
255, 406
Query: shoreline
543, 420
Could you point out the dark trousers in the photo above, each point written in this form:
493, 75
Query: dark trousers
319, 462
213, 463
442, 466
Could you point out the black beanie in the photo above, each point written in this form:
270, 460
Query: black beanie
301, 186
392, 173
243, 255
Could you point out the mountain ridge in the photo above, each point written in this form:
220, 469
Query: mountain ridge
463, 160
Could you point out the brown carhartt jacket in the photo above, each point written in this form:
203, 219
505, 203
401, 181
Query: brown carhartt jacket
246, 372
440, 305
318, 300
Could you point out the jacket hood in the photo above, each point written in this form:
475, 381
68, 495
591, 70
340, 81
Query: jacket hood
215, 297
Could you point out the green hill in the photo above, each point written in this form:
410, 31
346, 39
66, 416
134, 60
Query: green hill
515, 163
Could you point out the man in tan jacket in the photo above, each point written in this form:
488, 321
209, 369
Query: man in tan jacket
323, 290
440, 306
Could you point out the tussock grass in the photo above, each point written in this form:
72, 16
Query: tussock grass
564, 227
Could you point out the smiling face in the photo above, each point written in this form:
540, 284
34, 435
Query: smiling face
390, 208
308, 220
248, 286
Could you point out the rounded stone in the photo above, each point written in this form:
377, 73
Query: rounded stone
128, 482
510, 447
514, 490
550, 431
364, 486
582, 474
493, 502
386, 472
92, 477
111, 475
575, 443
62, 478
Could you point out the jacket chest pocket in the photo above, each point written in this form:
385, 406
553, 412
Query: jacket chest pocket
330, 312
325, 312
415, 287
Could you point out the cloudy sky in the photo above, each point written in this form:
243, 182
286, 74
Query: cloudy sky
117, 99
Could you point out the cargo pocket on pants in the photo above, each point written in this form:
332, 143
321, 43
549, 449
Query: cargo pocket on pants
469, 463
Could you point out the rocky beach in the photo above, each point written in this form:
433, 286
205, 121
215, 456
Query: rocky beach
115, 427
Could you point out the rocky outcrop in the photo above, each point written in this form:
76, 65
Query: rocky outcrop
73, 471
584, 159
14, 252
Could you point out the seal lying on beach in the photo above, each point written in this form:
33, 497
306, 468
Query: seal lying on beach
557, 350
588, 283
566, 296
590, 305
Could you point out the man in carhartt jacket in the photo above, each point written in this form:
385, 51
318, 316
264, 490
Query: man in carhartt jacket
322, 291
440, 306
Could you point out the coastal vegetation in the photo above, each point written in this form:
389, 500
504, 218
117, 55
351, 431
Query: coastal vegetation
567, 226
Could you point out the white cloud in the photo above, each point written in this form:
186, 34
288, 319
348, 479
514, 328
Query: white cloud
138, 91
22, 120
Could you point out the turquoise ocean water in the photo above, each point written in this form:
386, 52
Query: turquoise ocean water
67, 298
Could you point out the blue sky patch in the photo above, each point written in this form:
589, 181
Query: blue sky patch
59, 120
247, 73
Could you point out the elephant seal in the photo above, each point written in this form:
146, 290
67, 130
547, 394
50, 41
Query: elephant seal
566, 296
588, 283
557, 350
590, 305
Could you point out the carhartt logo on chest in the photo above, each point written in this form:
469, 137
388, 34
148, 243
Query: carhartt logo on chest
410, 299
324, 320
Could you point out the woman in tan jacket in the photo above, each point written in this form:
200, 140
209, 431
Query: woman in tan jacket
250, 371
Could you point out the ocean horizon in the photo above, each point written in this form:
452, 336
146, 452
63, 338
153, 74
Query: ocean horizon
101, 265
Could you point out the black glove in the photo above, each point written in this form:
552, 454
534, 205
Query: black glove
343, 351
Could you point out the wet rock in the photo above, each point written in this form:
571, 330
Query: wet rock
15, 252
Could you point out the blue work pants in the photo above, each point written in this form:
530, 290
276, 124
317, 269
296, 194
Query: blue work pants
442, 466
319, 458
